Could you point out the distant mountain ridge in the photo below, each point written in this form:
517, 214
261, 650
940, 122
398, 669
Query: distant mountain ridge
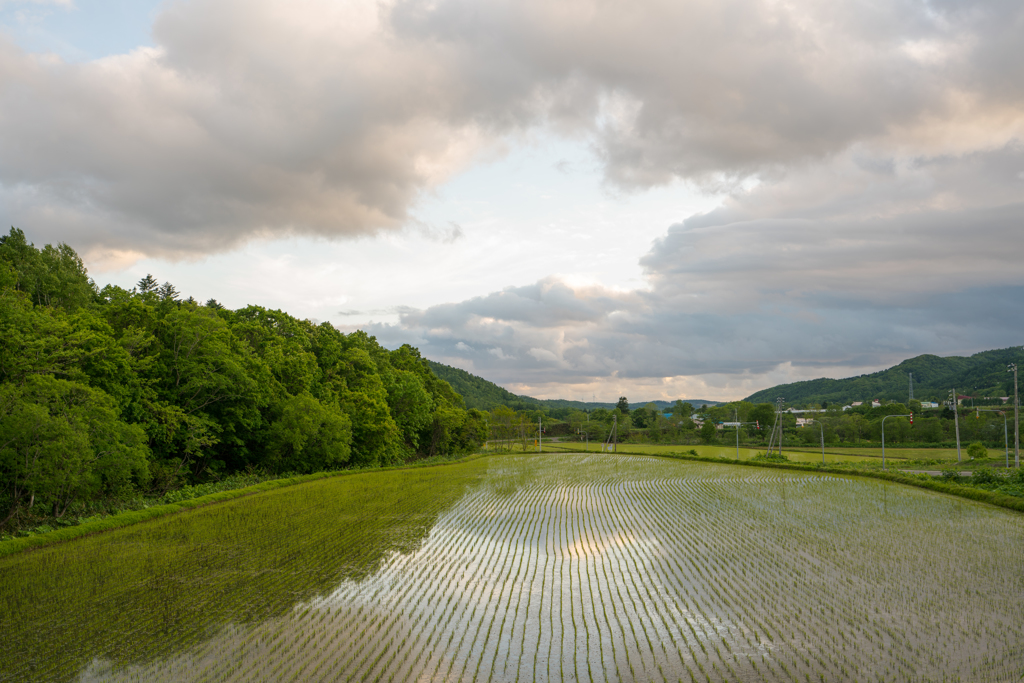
981, 375
483, 394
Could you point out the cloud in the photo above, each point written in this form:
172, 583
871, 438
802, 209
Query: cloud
870, 155
264, 118
715, 91
499, 354
247, 120
842, 267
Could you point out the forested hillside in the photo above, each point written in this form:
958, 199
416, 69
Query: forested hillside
480, 393
486, 395
982, 375
105, 393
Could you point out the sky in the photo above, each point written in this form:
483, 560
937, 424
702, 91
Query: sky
660, 199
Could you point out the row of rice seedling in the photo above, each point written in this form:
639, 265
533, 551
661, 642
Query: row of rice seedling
556, 567
162, 587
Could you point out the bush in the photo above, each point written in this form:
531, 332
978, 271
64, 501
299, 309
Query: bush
983, 476
772, 457
977, 450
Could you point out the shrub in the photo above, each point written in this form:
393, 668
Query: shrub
977, 450
951, 475
983, 476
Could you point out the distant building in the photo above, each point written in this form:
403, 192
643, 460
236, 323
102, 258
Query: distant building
929, 404
876, 404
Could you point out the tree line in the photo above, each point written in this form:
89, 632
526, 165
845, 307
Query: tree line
106, 393
684, 424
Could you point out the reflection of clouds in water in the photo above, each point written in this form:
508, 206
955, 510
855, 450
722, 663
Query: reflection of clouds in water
643, 573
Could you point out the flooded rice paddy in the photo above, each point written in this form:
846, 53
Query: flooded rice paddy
560, 567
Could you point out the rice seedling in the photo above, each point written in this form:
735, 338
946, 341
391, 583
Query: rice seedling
527, 567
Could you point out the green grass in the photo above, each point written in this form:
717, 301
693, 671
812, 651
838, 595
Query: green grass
745, 453
906, 453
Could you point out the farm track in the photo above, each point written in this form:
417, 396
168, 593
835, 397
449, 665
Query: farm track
598, 568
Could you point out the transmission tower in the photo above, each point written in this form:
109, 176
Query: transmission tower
777, 426
911, 385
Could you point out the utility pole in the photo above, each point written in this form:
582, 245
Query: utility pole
615, 433
540, 435
736, 414
956, 423
776, 426
782, 402
1016, 417
586, 431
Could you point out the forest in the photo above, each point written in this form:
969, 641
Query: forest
108, 394
486, 395
982, 376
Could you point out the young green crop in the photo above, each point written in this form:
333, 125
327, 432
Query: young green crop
520, 567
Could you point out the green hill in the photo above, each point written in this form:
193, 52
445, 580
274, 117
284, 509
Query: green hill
981, 375
478, 392
481, 394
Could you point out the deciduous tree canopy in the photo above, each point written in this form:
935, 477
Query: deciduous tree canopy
105, 392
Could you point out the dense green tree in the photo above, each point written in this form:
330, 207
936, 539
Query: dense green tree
411, 406
708, 432
763, 415
682, 410
282, 343
147, 284
168, 292
61, 441
307, 436
110, 392
52, 276
623, 405
642, 418
216, 382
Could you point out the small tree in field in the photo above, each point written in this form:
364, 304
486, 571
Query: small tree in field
977, 450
